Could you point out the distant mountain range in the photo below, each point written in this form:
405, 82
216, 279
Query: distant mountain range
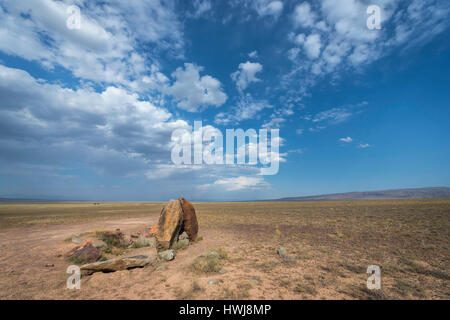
435, 192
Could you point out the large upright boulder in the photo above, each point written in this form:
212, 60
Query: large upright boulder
190, 224
169, 225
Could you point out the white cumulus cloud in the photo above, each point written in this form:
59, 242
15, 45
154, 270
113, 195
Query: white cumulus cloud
246, 74
192, 91
346, 140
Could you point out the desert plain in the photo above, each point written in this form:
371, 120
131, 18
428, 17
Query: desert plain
328, 247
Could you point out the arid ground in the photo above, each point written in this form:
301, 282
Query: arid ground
329, 246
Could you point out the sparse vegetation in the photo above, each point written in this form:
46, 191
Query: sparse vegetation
210, 262
179, 245
331, 243
190, 293
76, 260
242, 291
222, 254
305, 287
23, 214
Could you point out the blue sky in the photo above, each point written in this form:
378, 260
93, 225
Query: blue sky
88, 113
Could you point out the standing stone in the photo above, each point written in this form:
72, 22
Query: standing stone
169, 225
190, 224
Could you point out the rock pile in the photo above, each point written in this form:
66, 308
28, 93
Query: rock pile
177, 227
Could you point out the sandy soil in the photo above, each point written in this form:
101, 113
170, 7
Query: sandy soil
26, 251
322, 262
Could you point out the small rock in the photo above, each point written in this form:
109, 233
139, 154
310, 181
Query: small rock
183, 236
281, 252
167, 255
77, 240
212, 281
98, 243
222, 271
254, 281
161, 268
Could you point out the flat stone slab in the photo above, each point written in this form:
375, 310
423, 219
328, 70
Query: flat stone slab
78, 240
117, 264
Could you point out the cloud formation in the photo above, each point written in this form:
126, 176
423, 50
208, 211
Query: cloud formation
192, 91
246, 108
331, 37
237, 183
246, 74
346, 140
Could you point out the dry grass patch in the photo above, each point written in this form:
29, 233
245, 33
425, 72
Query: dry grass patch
191, 293
241, 291
305, 287
210, 262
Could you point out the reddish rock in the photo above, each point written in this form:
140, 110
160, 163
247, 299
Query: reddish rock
169, 225
86, 252
190, 224
153, 230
